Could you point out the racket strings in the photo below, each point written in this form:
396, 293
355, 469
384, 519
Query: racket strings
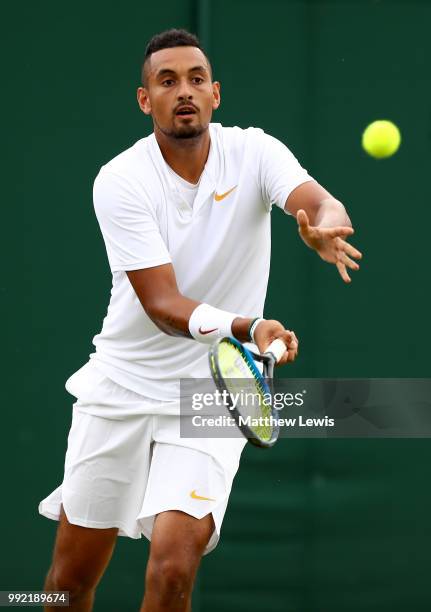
236, 365
242, 377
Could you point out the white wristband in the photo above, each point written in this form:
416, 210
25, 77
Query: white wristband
207, 323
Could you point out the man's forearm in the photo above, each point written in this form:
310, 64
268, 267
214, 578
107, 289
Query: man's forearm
157, 290
331, 213
172, 316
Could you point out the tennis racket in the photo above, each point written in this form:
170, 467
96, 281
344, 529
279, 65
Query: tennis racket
248, 393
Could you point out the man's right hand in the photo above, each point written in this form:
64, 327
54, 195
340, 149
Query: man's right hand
267, 331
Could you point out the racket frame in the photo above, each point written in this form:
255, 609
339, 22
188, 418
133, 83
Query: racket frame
268, 360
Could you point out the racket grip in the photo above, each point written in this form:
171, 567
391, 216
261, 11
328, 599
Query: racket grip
277, 348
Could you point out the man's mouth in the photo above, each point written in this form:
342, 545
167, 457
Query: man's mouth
185, 111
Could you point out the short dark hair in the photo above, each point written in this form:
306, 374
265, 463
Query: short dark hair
168, 39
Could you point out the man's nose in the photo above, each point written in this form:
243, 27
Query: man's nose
184, 90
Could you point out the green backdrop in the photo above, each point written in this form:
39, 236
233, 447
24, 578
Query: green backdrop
313, 525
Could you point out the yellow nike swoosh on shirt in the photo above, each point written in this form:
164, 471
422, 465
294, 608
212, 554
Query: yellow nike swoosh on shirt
222, 196
194, 495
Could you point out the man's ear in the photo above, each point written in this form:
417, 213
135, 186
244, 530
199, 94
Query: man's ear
144, 100
216, 95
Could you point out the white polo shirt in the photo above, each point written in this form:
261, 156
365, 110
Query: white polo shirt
219, 247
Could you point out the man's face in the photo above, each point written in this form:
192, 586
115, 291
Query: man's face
179, 93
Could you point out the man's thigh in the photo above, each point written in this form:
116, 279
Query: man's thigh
81, 554
178, 534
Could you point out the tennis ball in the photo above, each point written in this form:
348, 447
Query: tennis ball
381, 139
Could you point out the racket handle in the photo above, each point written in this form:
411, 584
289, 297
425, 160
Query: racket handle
277, 348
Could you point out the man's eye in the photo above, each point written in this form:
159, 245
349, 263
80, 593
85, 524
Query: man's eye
167, 82
197, 80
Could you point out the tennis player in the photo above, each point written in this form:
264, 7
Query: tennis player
185, 216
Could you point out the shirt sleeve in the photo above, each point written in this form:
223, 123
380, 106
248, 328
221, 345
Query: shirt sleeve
280, 172
128, 224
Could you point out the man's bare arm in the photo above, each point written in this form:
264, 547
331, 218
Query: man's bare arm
161, 299
158, 293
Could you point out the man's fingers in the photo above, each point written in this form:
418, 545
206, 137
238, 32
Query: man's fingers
350, 250
348, 262
343, 272
294, 345
334, 232
287, 337
292, 348
302, 219
291, 341
291, 354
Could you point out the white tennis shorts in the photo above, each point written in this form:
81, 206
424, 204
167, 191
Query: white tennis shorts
124, 465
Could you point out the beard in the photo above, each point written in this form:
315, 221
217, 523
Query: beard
183, 132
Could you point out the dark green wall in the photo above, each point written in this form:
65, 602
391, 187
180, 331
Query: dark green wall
313, 525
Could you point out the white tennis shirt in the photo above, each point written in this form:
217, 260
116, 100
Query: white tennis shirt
220, 247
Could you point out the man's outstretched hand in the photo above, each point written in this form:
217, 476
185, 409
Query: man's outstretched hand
330, 243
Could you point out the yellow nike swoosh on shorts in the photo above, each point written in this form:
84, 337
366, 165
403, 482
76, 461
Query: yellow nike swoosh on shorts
222, 196
194, 495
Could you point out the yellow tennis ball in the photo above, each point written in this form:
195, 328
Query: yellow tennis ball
381, 139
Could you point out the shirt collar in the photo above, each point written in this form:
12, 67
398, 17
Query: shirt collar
209, 174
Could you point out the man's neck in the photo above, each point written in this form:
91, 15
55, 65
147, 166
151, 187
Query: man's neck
186, 156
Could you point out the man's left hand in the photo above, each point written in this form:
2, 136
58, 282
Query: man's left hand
330, 243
